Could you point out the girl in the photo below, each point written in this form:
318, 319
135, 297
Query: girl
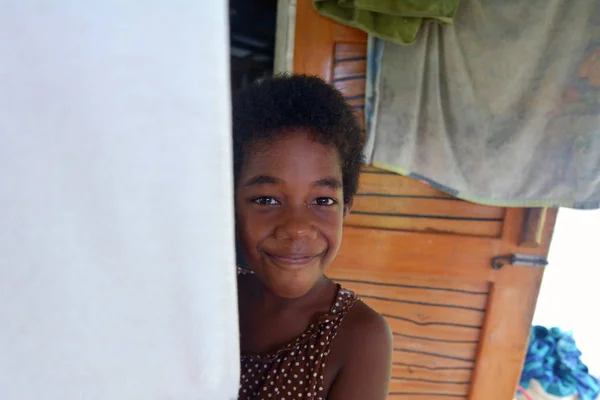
297, 156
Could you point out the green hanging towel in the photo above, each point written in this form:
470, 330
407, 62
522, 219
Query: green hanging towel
395, 20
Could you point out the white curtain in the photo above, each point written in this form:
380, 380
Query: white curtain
117, 276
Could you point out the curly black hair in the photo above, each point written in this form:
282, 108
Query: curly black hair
274, 105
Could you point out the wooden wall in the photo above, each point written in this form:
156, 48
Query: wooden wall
423, 259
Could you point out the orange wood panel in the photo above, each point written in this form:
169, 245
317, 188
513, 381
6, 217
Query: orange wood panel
352, 89
428, 315
390, 201
456, 348
426, 206
462, 375
412, 223
423, 258
378, 181
407, 281
533, 227
449, 293
513, 297
315, 41
407, 389
431, 360
349, 70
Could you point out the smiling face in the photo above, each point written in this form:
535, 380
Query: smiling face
290, 211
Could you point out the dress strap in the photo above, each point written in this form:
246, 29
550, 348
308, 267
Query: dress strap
244, 271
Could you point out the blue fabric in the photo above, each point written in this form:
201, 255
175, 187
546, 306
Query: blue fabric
554, 361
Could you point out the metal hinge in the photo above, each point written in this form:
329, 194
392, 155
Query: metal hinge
519, 259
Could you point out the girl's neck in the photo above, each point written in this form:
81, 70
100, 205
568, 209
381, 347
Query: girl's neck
321, 294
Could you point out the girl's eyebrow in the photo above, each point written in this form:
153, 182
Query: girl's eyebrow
331, 183
262, 180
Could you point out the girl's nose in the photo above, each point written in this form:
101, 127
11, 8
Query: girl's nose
296, 225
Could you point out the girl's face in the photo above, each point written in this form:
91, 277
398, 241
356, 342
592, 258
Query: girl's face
290, 211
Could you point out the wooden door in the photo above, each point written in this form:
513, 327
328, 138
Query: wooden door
423, 259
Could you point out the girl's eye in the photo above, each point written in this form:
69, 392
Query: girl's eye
265, 201
324, 201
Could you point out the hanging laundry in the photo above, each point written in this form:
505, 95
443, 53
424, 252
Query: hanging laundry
553, 360
398, 21
501, 108
535, 391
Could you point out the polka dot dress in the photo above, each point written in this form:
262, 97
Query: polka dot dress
296, 370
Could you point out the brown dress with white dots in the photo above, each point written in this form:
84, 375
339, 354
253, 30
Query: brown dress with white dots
296, 370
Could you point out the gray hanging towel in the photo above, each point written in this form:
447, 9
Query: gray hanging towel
500, 108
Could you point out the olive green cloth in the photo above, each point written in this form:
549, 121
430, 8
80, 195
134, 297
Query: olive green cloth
398, 21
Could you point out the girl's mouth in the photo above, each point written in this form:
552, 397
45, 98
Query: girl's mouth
292, 261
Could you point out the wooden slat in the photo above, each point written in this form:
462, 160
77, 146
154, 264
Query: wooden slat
420, 224
349, 70
457, 347
344, 51
408, 386
386, 253
349, 75
357, 104
414, 386
433, 361
403, 370
350, 62
416, 295
438, 332
427, 206
377, 181
427, 315
533, 227
436, 285
391, 201
352, 88
424, 396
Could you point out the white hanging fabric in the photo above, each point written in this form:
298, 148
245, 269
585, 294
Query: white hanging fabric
117, 277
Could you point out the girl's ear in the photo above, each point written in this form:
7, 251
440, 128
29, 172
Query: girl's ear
348, 207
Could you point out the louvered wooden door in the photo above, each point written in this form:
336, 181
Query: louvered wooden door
424, 259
